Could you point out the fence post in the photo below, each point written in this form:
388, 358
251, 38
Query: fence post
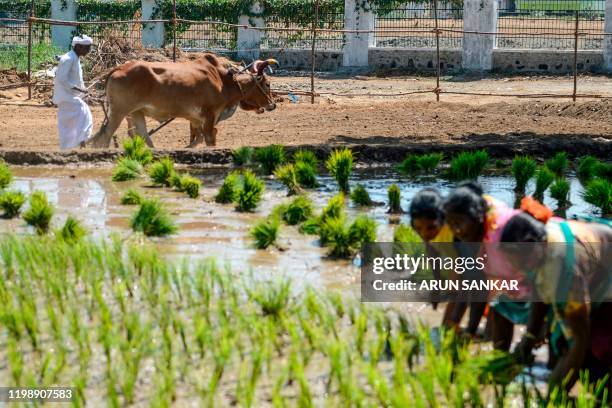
152, 33
61, 36
249, 41
357, 16
607, 41
481, 16
313, 55
32, 14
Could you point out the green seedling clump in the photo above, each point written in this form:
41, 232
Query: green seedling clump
468, 165
344, 239
135, 148
523, 169
500, 164
286, 174
559, 190
265, 232
40, 212
272, 298
406, 234
250, 192
189, 185
310, 226
334, 207
360, 196
298, 210
161, 172
152, 219
131, 197
410, 165
586, 167
362, 230
544, 178
306, 174
429, 162
126, 169
229, 189
558, 164
599, 193
340, 166
270, 157
394, 195
6, 176
11, 203
306, 156
242, 156
72, 231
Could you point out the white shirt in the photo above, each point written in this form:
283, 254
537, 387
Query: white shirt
69, 74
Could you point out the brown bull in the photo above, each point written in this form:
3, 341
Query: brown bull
203, 91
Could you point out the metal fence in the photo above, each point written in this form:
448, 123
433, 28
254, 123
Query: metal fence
554, 17
97, 12
300, 39
16, 32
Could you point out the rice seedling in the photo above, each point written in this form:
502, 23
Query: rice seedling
229, 189
72, 231
161, 172
362, 230
298, 210
544, 178
360, 196
558, 164
340, 166
286, 174
306, 156
189, 185
6, 176
428, 162
265, 232
334, 207
468, 165
131, 197
152, 219
559, 190
599, 193
135, 148
242, 156
272, 297
306, 174
586, 167
310, 226
334, 232
40, 212
126, 169
497, 367
394, 196
405, 234
250, 193
270, 157
11, 203
604, 171
410, 165
500, 164
523, 169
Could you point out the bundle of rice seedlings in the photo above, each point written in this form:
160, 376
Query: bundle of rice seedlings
496, 367
11, 203
468, 165
272, 298
334, 232
310, 226
161, 172
334, 207
6, 176
270, 157
586, 167
135, 148
286, 174
242, 155
500, 164
72, 231
40, 212
544, 178
306, 174
523, 169
190, 185
175, 180
131, 197
250, 193
265, 232
306, 156
363, 229
428, 162
558, 164
406, 234
394, 195
410, 165
559, 190
298, 210
340, 166
360, 196
229, 189
599, 193
604, 171
152, 219
126, 169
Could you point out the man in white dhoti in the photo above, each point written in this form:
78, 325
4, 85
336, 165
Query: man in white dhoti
74, 122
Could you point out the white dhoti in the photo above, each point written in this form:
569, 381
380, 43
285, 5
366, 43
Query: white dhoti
74, 123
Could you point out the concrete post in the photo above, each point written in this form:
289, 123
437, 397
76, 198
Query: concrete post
479, 15
607, 42
249, 41
355, 51
152, 33
61, 36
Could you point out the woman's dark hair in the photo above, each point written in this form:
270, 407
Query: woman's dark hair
427, 203
467, 199
523, 228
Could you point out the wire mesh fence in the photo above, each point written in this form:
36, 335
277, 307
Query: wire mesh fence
16, 32
299, 36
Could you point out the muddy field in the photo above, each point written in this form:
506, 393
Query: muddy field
351, 111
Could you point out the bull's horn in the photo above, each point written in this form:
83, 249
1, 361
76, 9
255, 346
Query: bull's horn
261, 65
272, 61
